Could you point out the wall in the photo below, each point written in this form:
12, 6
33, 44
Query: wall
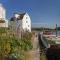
2, 12
26, 23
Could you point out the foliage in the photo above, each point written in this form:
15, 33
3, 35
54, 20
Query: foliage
38, 29
42, 29
3, 30
58, 28
51, 42
13, 47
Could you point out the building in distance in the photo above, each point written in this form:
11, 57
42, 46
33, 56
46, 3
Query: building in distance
21, 21
3, 20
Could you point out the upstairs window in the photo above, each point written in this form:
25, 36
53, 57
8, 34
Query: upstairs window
26, 21
28, 25
26, 17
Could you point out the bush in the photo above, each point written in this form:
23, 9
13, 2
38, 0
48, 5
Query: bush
12, 48
3, 30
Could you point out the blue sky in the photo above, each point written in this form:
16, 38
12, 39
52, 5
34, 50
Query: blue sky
40, 11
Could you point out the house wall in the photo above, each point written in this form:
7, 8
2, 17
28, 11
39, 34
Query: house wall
19, 24
26, 23
13, 25
3, 16
2, 12
4, 24
16, 25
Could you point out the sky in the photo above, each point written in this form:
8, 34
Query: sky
41, 11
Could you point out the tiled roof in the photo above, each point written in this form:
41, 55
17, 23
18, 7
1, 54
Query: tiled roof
19, 18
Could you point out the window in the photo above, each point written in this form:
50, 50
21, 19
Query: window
26, 17
28, 25
26, 21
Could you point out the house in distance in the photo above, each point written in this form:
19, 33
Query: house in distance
21, 21
3, 20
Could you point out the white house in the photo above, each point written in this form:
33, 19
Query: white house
21, 21
3, 20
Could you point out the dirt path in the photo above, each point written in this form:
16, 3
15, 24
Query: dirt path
34, 54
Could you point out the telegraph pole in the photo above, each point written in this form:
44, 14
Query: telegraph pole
56, 30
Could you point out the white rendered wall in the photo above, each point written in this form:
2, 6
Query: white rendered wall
6, 23
2, 12
3, 16
19, 24
26, 23
16, 15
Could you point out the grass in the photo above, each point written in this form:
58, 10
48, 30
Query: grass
43, 57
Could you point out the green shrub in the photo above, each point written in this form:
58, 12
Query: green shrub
3, 30
15, 46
